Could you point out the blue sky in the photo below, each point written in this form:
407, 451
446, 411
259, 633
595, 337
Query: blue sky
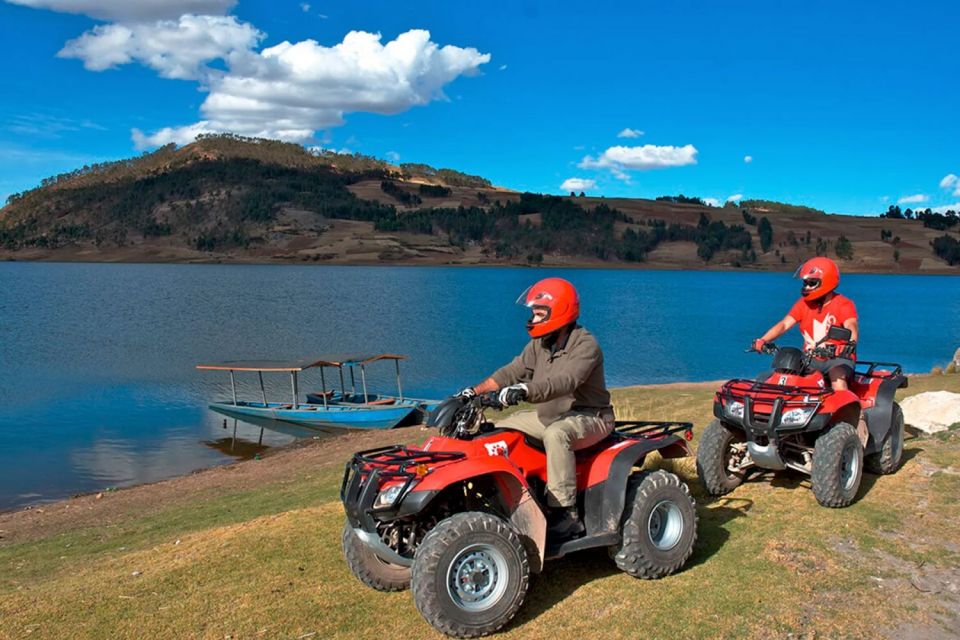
846, 106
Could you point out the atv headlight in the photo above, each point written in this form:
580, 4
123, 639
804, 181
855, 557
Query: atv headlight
388, 496
735, 409
796, 417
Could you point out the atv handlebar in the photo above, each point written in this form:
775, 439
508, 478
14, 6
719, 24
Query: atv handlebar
820, 351
768, 349
489, 400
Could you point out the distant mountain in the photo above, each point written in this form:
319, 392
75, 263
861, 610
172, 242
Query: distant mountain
231, 199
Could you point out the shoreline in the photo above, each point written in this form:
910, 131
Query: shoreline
616, 266
337, 439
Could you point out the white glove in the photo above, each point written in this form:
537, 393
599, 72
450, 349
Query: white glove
514, 394
467, 393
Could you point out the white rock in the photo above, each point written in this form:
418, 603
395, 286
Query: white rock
932, 411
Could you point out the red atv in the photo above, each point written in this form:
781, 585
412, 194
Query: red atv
461, 518
790, 418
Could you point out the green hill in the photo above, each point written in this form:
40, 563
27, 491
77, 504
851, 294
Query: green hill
227, 198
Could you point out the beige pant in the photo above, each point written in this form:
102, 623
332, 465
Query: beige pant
573, 431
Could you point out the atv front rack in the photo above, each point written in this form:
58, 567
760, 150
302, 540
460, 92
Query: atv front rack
391, 463
745, 387
650, 430
368, 470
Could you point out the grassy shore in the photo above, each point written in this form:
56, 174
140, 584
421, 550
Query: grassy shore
251, 550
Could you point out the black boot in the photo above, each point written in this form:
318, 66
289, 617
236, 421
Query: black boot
564, 524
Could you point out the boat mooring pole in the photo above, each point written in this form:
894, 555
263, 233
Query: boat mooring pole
343, 387
260, 441
233, 387
363, 380
233, 440
353, 383
323, 386
263, 392
399, 388
293, 383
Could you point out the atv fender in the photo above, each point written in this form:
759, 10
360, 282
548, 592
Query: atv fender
606, 491
520, 506
879, 417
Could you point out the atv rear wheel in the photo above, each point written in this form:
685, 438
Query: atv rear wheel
837, 466
470, 575
369, 568
716, 453
887, 460
659, 528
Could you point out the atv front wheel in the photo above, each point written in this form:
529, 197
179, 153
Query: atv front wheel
369, 568
887, 460
837, 466
470, 575
716, 453
659, 528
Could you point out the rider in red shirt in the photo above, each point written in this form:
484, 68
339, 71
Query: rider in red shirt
819, 308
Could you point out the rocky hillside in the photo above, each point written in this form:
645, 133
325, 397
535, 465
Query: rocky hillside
225, 198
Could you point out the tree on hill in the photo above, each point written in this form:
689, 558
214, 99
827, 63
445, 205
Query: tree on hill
893, 211
947, 248
843, 248
765, 231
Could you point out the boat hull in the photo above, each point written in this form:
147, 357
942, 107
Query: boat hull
332, 416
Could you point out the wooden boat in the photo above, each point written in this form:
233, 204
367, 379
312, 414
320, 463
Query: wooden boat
352, 362
328, 408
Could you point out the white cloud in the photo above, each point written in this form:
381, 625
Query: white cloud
711, 202
630, 133
129, 11
578, 184
747, 159
174, 48
947, 207
951, 181
392, 156
288, 91
503, 67
737, 197
291, 90
914, 199
305, 7
620, 159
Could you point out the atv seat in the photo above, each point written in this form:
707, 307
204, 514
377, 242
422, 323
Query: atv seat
537, 443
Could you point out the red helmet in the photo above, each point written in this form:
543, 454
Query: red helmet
558, 298
820, 276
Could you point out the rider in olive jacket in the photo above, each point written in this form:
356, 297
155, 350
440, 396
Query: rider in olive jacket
561, 372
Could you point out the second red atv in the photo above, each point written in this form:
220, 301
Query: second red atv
461, 520
791, 418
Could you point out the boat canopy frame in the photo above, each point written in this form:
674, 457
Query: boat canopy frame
295, 367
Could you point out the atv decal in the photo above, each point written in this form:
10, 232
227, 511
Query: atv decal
498, 448
783, 379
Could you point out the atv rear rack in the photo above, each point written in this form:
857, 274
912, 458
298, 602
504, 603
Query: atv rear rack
881, 370
648, 429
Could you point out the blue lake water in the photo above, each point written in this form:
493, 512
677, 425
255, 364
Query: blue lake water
98, 387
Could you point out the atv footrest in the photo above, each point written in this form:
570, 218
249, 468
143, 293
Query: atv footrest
579, 544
